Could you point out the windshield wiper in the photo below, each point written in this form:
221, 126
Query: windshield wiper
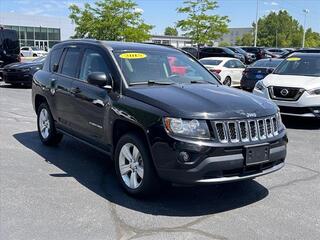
202, 81
152, 82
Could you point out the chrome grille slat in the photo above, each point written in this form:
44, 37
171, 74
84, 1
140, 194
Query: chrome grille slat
246, 130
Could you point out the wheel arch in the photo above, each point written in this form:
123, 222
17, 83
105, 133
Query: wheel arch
38, 100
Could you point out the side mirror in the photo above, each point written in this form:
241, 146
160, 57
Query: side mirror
100, 79
55, 67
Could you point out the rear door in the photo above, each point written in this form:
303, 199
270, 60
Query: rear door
91, 102
67, 71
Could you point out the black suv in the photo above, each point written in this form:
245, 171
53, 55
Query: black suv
156, 120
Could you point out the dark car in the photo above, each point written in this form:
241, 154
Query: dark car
9, 48
248, 57
219, 52
257, 71
303, 50
22, 73
192, 50
123, 99
259, 52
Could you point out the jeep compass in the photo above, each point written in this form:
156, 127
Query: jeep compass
157, 124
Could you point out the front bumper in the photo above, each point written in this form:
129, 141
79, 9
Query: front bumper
306, 106
214, 164
17, 77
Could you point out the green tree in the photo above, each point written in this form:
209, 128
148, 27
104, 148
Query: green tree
312, 38
246, 39
171, 31
224, 44
110, 20
201, 25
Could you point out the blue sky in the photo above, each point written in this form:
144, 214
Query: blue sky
162, 13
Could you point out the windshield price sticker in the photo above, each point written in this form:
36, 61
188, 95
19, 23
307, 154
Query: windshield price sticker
293, 59
133, 55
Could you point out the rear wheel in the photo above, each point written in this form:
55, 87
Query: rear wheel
46, 128
227, 81
134, 167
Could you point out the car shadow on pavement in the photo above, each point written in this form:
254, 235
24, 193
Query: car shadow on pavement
27, 86
93, 170
301, 123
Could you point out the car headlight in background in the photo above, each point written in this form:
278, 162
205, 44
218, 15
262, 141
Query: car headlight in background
260, 86
187, 128
315, 91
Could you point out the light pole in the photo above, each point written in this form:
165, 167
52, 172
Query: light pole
305, 11
256, 30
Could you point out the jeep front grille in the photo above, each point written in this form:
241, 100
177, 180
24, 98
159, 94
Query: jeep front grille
249, 130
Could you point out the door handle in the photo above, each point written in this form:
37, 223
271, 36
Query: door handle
75, 90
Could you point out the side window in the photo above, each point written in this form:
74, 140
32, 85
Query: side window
239, 64
92, 62
54, 58
69, 67
25, 49
228, 64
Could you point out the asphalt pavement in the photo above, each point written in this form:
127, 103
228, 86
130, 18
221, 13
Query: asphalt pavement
70, 191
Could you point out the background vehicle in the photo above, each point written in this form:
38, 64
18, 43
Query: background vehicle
277, 51
22, 73
219, 52
192, 50
257, 71
303, 50
9, 48
123, 99
229, 69
32, 52
294, 85
259, 52
248, 57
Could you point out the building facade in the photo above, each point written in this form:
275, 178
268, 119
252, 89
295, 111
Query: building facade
234, 34
41, 31
176, 41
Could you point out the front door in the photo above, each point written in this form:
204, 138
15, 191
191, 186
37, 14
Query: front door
91, 102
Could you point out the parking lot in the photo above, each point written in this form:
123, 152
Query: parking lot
70, 192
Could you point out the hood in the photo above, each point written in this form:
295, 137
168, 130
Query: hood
295, 81
20, 65
203, 101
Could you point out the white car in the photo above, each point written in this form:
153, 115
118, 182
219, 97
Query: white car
230, 69
294, 85
32, 52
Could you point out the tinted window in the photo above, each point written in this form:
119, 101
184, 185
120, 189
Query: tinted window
25, 49
92, 62
55, 57
69, 66
238, 64
210, 62
230, 64
227, 50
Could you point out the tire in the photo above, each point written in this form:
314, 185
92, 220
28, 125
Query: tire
46, 128
138, 177
227, 81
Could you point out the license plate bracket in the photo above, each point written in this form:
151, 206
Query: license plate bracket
256, 154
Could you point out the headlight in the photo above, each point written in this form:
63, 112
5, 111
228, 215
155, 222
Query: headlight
315, 91
187, 128
260, 86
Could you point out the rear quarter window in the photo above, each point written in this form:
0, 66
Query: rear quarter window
54, 58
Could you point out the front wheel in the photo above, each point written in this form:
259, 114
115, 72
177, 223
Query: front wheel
134, 167
227, 81
46, 128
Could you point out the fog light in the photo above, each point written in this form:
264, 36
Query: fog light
184, 156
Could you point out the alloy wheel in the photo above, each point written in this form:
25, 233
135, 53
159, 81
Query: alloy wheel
131, 165
44, 123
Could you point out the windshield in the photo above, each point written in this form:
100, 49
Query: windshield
229, 51
300, 65
266, 63
168, 67
210, 62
